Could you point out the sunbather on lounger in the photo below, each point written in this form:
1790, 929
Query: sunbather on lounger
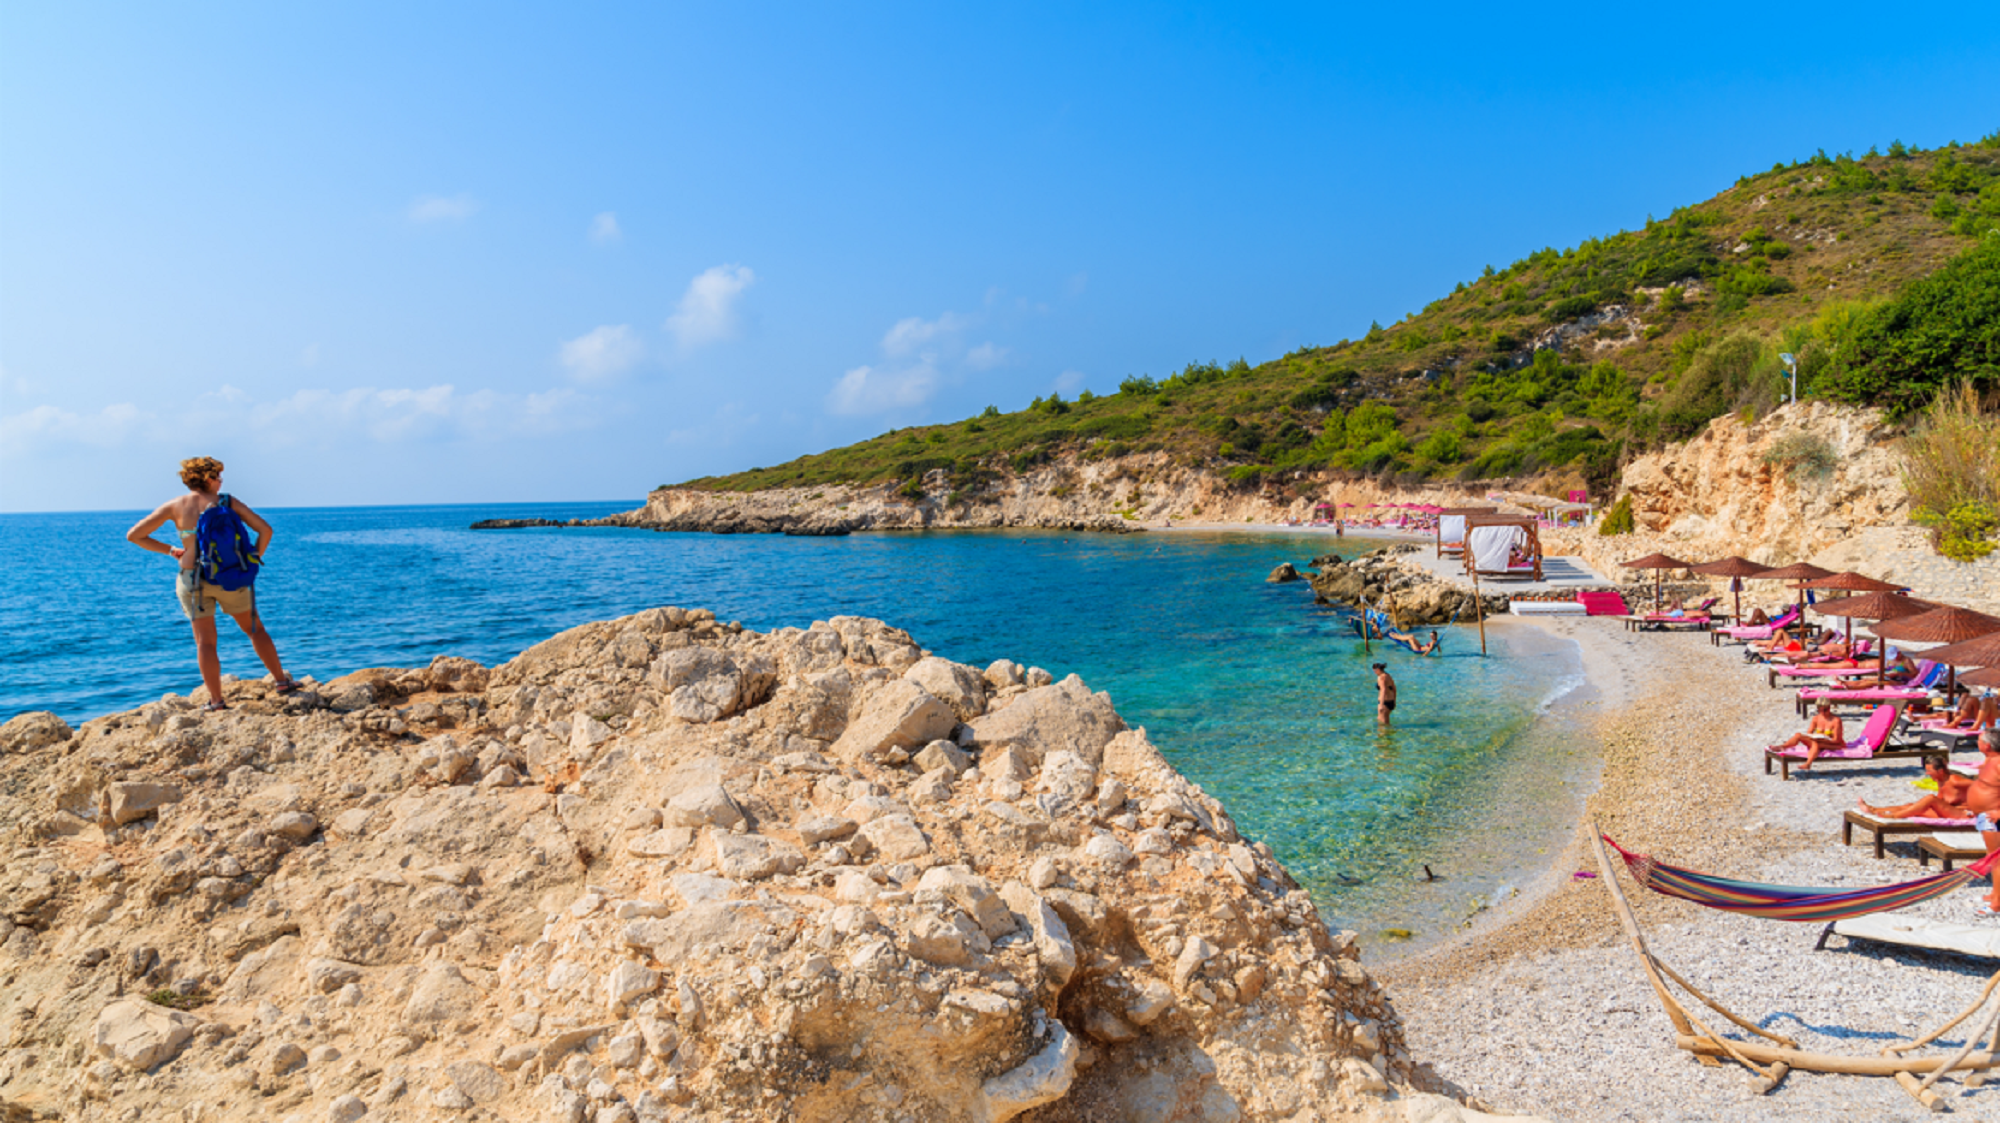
1826, 731
1758, 619
1900, 671
1948, 802
1983, 800
1966, 718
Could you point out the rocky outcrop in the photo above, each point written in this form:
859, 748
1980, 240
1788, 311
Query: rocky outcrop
661, 868
1411, 597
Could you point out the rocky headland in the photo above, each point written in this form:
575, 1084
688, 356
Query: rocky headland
662, 868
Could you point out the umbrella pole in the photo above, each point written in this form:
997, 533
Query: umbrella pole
1479, 605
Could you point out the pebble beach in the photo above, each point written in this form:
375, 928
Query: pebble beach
1545, 1008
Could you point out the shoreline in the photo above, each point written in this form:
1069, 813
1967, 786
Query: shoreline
1544, 1008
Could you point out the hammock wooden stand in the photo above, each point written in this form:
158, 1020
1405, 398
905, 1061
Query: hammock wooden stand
1768, 1064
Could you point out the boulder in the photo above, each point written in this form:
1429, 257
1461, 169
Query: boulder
955, 684
1283, 574
704, 805
1043, 1078
137, 1035
1065, 715
750, 857
896, 837
129, 802
24, 733
898, 715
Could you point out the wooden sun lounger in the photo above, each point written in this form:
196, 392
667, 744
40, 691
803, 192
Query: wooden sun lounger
1885, 754
1641, 623
1949, 848
1980, 941
1880, 828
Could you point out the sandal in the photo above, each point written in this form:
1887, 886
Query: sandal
214, 706
289, 686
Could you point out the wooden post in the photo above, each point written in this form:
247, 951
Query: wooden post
1365, 648
1479, 603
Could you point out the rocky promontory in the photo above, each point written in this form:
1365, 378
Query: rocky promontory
1411, 597
661, 868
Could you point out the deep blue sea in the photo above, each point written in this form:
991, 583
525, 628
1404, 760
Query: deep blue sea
1265, 701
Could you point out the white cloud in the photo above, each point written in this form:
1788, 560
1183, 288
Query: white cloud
869, 390
707, 311
601, 353
109, 427
1069, 381
986, 356
442, 208
912, 332
604, 229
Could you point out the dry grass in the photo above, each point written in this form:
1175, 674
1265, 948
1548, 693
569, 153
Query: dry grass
1951, 469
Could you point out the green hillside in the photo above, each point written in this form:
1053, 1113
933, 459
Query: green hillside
1880, 273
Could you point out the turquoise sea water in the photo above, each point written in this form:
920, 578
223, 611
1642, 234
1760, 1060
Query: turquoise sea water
1265, 701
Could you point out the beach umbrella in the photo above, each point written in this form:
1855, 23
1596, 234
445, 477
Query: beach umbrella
1985, 676
1855, 583
1797, 571
1980, 651
1659, 563
1736, 569
1947, 625
1873, 606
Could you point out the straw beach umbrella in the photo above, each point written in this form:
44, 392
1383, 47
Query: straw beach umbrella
1797, 571
1982, 651
1874, 606
1985, 676
1659, 564
1736, 569
1947, 625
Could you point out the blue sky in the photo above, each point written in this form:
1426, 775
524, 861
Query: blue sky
373, 253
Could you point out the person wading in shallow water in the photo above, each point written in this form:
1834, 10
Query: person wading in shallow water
1385, 693
203, 477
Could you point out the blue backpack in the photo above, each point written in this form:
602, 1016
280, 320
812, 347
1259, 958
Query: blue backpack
223, 547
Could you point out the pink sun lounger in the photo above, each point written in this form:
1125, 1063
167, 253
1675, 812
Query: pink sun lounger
1761, 631
1868, 746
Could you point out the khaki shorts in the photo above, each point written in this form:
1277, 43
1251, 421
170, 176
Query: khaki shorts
199, 598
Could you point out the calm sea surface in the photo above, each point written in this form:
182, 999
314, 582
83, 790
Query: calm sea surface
1265, 701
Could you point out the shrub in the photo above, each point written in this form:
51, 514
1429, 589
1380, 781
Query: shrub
1803, 456
1138, 385
1569, 308
1937, 330
990, 412
1619, 519
1951, 469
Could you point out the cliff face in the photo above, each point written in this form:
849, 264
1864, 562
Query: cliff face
661, 868
1729, 491
1125, 493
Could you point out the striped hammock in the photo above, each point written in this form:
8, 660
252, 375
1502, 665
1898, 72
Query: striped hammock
1790, 902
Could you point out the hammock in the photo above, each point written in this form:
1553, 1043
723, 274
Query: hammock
1788, 902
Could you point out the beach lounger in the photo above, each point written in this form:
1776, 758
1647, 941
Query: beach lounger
1747, 632
1880, 828
1870, 746
1773, 672
1920, 687
1950, 847
1700, 610
1981, 941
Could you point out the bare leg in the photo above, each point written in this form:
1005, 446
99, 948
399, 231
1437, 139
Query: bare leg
1929, 807
1992, 841
1381, 714
253, 626
1814, 747
206, 658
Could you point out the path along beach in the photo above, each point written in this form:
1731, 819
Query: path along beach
1544, 1007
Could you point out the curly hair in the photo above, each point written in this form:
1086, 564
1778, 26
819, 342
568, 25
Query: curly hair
199, 470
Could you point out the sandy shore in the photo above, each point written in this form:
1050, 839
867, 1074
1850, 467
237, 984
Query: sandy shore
1545, 1009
